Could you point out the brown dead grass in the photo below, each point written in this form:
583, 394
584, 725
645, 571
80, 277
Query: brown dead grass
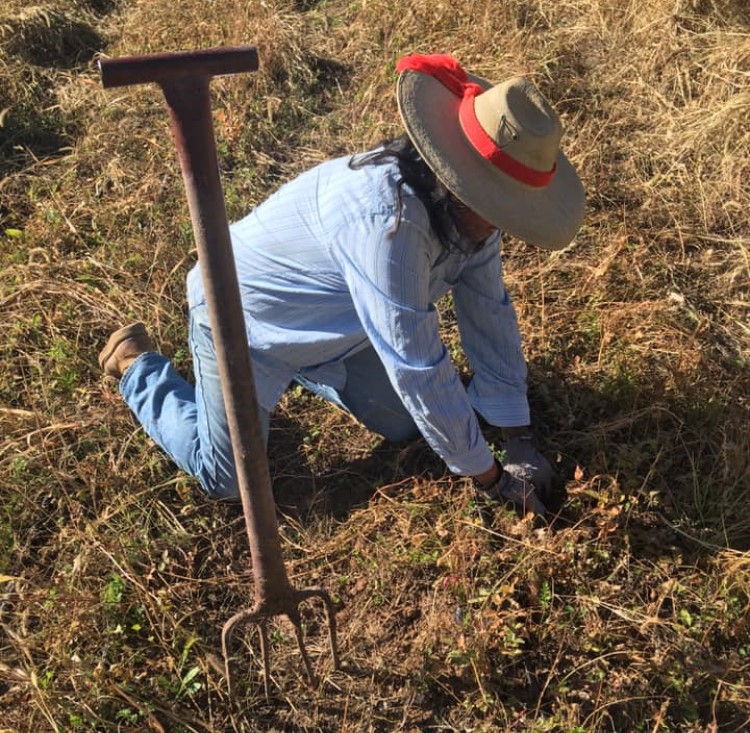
629, 614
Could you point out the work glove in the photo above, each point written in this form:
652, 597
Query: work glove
523, 461
509, 489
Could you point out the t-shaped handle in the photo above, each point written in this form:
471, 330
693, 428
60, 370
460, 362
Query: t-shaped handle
167, 67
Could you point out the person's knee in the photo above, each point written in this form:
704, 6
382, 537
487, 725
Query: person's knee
222, 487
395, 425
400, 432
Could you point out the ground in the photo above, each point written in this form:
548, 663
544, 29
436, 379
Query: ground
628, 612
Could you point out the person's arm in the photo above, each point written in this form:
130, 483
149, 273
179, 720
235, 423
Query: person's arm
388, 274
491, 340
387, 270
490, 476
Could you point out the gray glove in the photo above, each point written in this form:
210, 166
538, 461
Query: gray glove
524, 461
513, 490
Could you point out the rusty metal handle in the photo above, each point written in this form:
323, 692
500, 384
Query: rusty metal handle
165, 67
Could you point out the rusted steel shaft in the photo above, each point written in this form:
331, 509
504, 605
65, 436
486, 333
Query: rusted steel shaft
184, 78
185, 84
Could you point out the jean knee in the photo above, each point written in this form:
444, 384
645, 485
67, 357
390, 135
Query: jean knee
400, 433
221, 487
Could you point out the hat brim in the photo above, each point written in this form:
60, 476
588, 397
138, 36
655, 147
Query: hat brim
548, 217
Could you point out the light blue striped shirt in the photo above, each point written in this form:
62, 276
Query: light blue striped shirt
326, 269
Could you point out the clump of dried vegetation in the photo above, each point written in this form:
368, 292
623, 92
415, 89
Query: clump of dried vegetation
630, 613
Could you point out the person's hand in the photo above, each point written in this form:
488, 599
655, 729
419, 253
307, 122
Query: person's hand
524, 461
509, 489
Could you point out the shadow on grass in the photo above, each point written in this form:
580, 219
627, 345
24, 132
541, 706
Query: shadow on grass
682, 457
668, 459
39, 47
32, 133
346, 484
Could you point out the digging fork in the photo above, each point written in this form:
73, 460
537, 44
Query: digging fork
184, 78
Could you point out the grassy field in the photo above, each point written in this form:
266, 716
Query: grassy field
628, 613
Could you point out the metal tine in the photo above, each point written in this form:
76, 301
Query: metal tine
307, 593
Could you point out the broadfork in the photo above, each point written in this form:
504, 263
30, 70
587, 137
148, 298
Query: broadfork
184, 78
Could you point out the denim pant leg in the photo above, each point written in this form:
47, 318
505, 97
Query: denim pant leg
369, 396
188, 423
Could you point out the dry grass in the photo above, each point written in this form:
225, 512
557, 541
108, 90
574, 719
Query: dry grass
629, 614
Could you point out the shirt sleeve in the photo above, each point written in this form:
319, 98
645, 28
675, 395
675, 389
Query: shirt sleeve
491, 341
388, 274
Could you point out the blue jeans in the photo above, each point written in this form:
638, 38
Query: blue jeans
189, 423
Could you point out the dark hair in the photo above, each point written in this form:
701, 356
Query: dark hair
419, 177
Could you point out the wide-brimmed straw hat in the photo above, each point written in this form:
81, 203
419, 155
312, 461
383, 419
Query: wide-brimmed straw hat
496, 148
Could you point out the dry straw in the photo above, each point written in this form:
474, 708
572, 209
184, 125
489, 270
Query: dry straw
630, 614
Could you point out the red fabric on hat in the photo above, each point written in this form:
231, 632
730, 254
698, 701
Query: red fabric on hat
444, 68
451, 75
